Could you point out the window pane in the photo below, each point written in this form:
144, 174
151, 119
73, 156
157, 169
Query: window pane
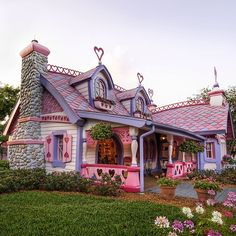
60, 148
100, 89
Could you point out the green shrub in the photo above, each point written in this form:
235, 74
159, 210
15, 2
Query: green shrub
167, 182
101, 131
227, 176
201, 174
4, 165
108, 187
207, 184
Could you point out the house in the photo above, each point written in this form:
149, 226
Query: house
50, 124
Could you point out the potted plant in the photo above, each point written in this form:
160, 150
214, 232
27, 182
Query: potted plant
206, 188
167, 187
101, 131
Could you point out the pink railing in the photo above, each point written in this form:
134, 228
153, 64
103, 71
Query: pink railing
179, 169
129, 175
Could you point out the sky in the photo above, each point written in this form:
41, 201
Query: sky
174, 44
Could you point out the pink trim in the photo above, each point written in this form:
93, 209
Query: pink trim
34, 46
24, 142
55, 118
180, 104
62, 70
216, 92
25, 119
130, 189
179, 169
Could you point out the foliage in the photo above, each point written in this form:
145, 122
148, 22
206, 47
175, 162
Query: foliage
108, 187
66, 181
4, 165
207, 184
167, 182
101, 131
201, 174
229, 159
21, 179
8, 98
191, 147
227, 176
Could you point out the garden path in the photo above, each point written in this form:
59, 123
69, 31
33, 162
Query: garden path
187, 190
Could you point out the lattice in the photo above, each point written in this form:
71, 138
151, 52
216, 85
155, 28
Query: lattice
62, 70
117, 87
180, 104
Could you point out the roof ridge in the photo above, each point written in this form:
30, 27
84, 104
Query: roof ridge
63, 70
181, 104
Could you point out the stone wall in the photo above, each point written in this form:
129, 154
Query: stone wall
29, 155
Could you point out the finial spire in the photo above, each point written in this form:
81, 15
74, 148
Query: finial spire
216, 85
150, 93
99, 52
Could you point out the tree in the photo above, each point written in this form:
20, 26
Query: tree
8, 98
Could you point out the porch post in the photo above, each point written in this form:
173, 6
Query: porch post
84, 148
170, 147
134, 145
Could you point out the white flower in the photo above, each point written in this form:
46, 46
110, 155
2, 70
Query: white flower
216, 214
162, 222
189, 215
172, 234
217, 220
199, 210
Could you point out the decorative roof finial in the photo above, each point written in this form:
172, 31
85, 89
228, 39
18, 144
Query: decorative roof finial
216, 85
150, 93
99, 52
140, 78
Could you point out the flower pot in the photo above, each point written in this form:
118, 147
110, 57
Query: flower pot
203, 195
167, 192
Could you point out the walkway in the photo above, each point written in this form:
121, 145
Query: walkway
187, 190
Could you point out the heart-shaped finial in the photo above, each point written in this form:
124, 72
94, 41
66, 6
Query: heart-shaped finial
140, 78
99, 52
150, 93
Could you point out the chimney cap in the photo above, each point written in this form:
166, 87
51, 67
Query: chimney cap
34, 46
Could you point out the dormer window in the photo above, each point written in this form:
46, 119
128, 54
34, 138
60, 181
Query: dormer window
139, 105
100, 89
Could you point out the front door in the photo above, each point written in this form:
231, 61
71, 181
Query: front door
107, 152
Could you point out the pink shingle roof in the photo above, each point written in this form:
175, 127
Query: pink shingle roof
127, 94
196, 118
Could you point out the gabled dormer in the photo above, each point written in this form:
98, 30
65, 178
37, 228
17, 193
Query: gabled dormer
136, 101
96, 86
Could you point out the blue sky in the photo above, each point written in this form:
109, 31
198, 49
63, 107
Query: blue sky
174, 44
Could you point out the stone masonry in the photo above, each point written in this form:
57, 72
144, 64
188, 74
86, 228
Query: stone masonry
25, 153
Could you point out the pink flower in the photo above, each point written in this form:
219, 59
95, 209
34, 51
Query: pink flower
210, 202
213, 233
228, 203
211, 192
228, 214
233, 228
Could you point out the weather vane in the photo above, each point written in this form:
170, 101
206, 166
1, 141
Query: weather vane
99, 52
140, 78
150, 93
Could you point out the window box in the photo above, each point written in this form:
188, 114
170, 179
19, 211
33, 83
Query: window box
142, 115
104, 104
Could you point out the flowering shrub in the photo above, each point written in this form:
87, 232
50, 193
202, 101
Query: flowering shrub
167, 182
162, 222
187, 211
228, 159
199, 209
207, 184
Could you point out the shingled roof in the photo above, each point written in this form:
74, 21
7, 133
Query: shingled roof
198, 118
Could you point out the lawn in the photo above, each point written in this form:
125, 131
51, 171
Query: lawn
54, 213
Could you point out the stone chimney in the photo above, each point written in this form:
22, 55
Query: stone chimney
217, 96
26, 147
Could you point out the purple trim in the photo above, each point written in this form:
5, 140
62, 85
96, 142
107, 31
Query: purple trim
90, 92
73, 117
59, 132
144, 95
141, 157
126, 120
209, 132
79, 148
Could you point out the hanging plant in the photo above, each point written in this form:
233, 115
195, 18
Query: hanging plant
191, 147
101, 131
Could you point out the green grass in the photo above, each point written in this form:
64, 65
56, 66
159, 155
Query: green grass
45, 213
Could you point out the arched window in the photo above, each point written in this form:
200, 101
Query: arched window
139, 104
100, 89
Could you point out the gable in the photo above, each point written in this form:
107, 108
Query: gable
50, 104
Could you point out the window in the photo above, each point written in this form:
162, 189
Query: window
100, 89
139, 104
210, 150
58, 149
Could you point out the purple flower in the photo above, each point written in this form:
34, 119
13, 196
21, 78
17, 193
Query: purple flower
228, 203
211, 192
233, 228
178, 226
231, 196
213, 233
188, 224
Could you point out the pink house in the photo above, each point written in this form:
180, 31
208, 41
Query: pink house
50, 125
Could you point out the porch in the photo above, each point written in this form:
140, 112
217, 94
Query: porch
130, 175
